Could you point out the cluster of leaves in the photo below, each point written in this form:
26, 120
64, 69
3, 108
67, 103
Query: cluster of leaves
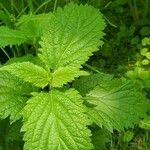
141, 67
127, 26
58, 108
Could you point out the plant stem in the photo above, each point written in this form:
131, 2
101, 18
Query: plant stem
91, 68
31, 6
131, 9
136, 10
55, 5
146, 7
5, 52
113, 25
43, 4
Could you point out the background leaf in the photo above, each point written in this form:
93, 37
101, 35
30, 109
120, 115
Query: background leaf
116, 104
11, 37
100, 137
87, 83
33, 26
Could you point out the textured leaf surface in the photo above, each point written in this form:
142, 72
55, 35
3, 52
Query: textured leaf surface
72, 37
12, 95
65, 74
87, 83
56, 121
33, 26
29, 72
117, 104
10, 37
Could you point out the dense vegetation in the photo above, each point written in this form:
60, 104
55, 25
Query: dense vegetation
74, 74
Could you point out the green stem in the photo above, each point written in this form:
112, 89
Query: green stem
18, 51
5, 10
6, 136
91, 68
25, 48
55, 5
22, 11
12, 4
136, 10
5, 52
113, 25
30, 6
43, 4
146, 7
131, 9
22, 4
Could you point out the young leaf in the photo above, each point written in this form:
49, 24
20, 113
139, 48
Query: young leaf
65, 74
11, 37
12, 95
29, 73
72, 36
56, 120
116, 104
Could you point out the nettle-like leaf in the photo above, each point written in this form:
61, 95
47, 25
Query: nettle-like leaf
72, 36
65, 47
56, 120
29, 73
11, 37
40, 77
116, 104
13, 95
33, 26
65, 74
28, 29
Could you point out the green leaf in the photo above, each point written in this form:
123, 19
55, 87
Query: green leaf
56, 121
33, 26
72, 36
87, 83
65, 74
11, 37
100, 137
116, 104
39, 76
145, 123
128, 136
13, 95
10, 134
5, 18
14, 133
29, 72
